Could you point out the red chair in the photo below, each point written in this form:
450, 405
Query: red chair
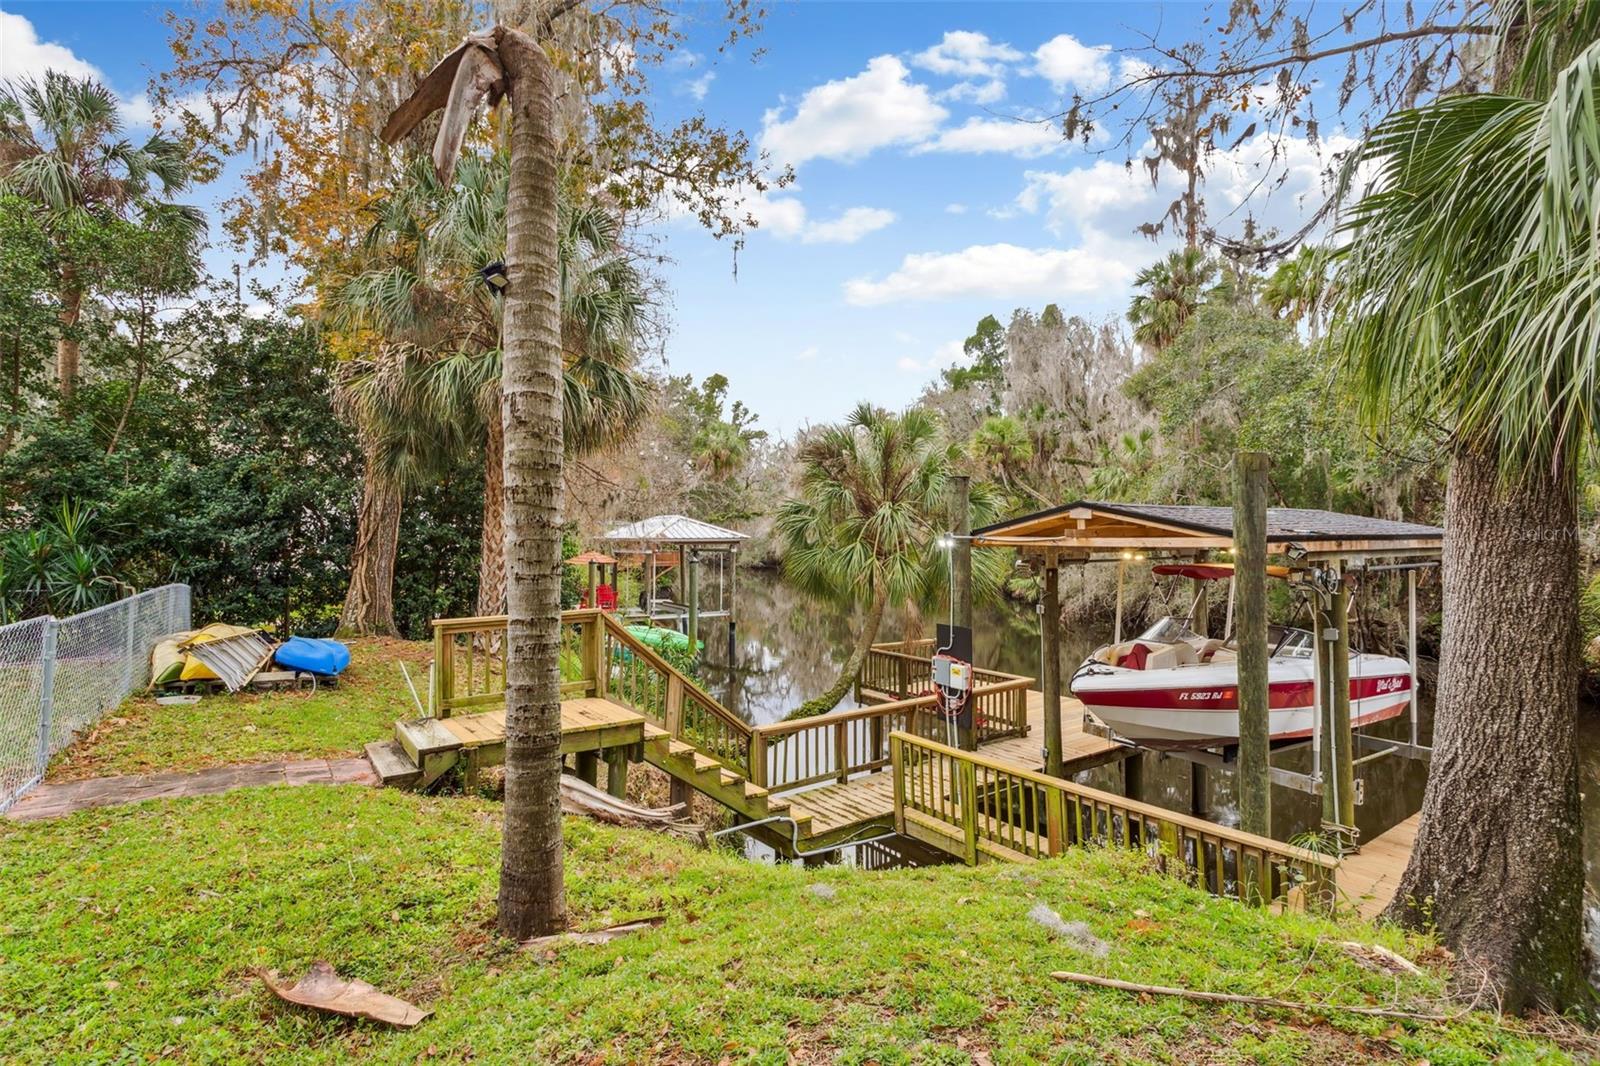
606, 597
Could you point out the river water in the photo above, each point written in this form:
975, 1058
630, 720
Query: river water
789, 647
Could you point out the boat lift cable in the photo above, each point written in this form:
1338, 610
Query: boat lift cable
794, 836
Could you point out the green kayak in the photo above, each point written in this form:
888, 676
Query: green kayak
658, 638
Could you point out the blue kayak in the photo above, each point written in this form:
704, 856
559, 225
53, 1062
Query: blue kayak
313, 655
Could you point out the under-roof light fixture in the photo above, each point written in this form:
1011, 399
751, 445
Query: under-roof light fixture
1295, 552
494, 276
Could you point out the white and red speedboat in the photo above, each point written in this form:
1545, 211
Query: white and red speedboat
1170, 688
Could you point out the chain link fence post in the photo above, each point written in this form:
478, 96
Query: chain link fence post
58, 676
47, 692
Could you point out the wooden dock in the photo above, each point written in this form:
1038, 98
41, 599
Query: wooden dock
1368, 879
841, 810
813, 783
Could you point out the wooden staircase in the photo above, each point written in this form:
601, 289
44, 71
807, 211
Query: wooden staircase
706, 775
424, 749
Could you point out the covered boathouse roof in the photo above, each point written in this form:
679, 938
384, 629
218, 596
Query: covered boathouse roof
674, 529
1087, 527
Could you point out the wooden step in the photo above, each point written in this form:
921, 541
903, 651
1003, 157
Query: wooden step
422, 737
391, 763
705, 763
679, 748
729, 778
654, 732
753, 791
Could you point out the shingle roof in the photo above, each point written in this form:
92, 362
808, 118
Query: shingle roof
1283, 523
674, 529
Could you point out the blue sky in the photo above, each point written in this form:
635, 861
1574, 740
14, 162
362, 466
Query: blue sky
920, 205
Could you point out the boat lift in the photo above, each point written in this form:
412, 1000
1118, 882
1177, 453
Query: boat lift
1324, 550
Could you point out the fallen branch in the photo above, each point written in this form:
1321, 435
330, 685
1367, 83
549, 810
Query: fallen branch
579, 797
1253, 1001
593, 936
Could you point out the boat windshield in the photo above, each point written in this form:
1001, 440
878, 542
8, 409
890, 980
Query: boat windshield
1289, 643
1168, 631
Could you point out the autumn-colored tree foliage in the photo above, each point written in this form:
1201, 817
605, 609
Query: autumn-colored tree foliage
303, 89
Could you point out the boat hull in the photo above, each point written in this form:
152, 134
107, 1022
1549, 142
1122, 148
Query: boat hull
1198, 706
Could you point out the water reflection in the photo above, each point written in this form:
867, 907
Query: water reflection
790, 647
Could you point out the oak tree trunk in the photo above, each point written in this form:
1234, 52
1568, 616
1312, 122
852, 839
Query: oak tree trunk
1497, 866
492, 540
532, 899
369, 601
67, 343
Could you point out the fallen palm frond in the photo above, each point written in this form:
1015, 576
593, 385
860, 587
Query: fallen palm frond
580, 798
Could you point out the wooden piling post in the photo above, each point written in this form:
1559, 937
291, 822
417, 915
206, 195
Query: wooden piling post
1344, 743
1050, 668
589, 767
691, 561
1250, 625
1133, 776
961, 572
617, 772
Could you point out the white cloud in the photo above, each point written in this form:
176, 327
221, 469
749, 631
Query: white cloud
1104, 202
1007, 136
786, 218
849, 227
909, 365
848, 118
808, 354
968, 55
699, 87
24, 55
989, 270
955, 209
979, 92
1067, 62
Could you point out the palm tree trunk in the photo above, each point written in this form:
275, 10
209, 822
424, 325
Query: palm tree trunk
532, 897
492, 540
1497, 866
852, 666
67, 344
369, 601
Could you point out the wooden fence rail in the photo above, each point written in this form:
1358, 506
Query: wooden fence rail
976, 808
599, 657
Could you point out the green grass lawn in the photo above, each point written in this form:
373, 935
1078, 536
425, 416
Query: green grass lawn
141, 736
130, 934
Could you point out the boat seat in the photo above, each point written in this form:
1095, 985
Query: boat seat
1167, 656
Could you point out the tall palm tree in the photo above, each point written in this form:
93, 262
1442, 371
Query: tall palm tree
441, 394
61, 146
873, 497
1472, 297
1299, 290
1000, 445
1171, 289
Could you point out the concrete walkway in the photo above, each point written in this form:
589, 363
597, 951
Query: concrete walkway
54, 801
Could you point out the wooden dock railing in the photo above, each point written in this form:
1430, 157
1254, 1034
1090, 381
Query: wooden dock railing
1002, 699
976, 808
599, 657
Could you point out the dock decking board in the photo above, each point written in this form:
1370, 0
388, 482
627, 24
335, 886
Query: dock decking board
1368, 878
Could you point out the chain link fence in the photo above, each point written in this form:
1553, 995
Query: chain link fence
59, 675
